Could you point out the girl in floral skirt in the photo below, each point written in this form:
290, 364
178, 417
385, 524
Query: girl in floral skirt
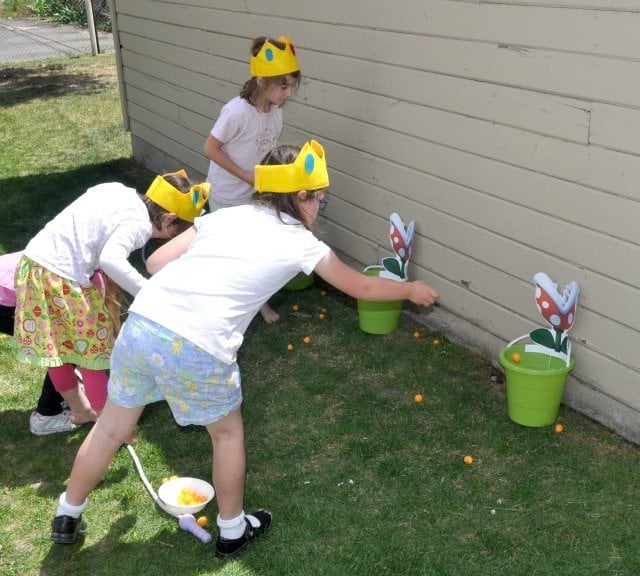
62, 321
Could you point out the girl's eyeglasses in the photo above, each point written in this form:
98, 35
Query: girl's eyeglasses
323, 203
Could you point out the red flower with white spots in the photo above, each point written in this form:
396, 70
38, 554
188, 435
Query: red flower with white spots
559, 310
401, 238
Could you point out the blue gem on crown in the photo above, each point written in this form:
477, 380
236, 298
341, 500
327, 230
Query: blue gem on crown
309, 163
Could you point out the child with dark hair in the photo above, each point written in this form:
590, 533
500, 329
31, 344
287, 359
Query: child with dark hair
181, 337
62, 320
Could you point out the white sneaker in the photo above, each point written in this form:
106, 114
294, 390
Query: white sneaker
43, 425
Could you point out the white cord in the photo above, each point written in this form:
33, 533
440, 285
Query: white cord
147, 484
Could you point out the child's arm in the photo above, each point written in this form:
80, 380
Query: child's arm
213, 150
357, 285
114, 260
170, 251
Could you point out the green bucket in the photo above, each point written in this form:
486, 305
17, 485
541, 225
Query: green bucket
535, 385
378, 317
300, 281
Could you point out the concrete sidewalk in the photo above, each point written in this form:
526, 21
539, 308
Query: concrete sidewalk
24, 39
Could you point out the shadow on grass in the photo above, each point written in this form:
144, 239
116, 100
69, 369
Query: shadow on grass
29, 202
116, 554
21, 84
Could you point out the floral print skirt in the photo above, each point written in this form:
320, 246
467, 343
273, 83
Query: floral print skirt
57, 321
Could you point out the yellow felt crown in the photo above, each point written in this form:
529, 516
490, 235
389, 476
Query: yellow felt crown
271, 61
185, 205
307, 172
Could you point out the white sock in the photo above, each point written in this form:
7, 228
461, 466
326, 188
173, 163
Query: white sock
253, 520
232, 529
66, 509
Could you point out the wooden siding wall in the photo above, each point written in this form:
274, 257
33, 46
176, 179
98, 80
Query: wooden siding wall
508, 130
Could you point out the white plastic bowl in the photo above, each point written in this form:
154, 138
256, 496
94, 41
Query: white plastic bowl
170, 490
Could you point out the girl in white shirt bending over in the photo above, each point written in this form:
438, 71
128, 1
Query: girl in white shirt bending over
62, 320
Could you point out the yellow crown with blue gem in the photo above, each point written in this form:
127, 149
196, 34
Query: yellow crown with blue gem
307, 172
185, 205
274, 61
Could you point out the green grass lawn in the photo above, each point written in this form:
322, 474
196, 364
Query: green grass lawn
361, 479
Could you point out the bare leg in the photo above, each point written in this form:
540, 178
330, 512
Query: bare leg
114, 427
269, 314
229, 463
79, 406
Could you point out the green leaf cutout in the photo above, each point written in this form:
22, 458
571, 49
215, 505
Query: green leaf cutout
392, 265
543, 337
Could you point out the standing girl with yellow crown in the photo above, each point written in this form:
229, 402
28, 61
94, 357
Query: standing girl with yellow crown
181, 338
249, 126
62, 320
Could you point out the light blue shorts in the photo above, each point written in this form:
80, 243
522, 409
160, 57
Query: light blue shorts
150, 363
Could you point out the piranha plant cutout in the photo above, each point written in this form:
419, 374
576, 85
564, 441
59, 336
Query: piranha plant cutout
401, 237
559, 310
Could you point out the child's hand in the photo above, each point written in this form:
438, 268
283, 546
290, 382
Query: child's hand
422, 293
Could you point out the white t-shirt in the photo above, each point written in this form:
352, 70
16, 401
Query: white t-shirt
99, 229
247, 135
239, 258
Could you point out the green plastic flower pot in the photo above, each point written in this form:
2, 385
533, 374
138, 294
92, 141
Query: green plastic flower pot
378, 317
300, 281
535, 385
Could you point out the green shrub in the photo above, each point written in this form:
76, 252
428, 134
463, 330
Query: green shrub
74, 12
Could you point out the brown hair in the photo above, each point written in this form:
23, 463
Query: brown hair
113, 299
156, 212
251, 89
282, 202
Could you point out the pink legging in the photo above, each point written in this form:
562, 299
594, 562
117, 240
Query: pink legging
95, 383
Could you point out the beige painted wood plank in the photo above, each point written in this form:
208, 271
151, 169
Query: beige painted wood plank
166, 109
440, 167
184, 136
565, 118
616, 127
339, 238
190, 101
176, 75
225, 56
592, 166
338, 11
585, 207
618, 5
570, 74
570, 25
395, 147
200, 63
608, 33
185, 155
543, 113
